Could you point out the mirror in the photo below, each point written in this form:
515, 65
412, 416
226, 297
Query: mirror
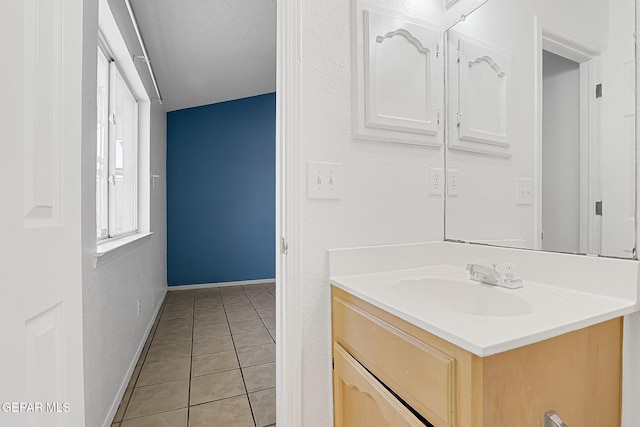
541, 126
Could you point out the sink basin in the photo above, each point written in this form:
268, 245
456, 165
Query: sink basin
460, 296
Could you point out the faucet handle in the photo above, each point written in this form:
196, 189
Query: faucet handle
508, 277
474, 265
507, 271
482, 262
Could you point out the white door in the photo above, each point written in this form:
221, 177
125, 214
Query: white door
41, 380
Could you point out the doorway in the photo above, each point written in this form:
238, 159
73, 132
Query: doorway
561, 168
568, 146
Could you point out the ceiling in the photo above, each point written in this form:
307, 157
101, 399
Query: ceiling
209, 51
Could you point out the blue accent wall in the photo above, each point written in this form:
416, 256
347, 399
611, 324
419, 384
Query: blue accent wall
221, 192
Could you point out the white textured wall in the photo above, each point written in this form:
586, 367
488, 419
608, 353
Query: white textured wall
385, 185
113, 332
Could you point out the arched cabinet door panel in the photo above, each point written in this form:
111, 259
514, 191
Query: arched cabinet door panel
361, 401
479, 84
397, 77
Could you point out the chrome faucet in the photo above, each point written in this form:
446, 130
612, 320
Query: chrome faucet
493, 274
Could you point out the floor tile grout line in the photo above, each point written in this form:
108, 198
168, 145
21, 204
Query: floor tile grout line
216, 400
191, 357
215, 372
193, 327
246, 394
156, 413
253, 415
261, 320
260, 317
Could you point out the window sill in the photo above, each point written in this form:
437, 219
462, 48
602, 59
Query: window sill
112, 247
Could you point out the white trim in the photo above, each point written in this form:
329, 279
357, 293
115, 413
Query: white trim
132, 366
565, 47
289, 191
219, 284
117, 47
537, 135
374, 138
109, 248
482, 151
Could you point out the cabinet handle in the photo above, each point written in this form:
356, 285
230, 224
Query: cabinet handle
552, 419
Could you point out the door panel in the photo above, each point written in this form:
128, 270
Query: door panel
40, 217
361, 401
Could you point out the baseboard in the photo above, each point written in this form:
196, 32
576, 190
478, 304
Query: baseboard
123, 387
220, 285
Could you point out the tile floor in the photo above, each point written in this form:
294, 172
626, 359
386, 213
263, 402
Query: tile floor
209, 361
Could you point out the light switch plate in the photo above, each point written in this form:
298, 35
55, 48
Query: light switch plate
524, 191
324, 180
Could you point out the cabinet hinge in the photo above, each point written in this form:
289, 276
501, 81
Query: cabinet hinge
599, 208
599, 90
284, 246
112, 118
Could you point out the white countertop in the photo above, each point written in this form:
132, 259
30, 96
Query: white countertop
555, 310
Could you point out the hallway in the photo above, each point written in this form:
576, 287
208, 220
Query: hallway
209, 361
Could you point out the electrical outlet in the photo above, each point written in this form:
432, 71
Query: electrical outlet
453, 185
139, 307
436, 181
524, 191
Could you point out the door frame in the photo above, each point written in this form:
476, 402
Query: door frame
288, 216
590, 185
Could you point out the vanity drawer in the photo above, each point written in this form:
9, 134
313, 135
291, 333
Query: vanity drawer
418, 373
361, 401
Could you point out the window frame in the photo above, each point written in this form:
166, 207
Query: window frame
112, 42
102, 156
115, 78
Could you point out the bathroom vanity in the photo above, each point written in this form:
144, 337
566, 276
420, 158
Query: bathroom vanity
408, 356
578, 374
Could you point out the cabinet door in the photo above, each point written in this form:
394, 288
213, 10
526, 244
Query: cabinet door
417, 372
362, 401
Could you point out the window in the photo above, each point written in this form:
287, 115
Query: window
117, 152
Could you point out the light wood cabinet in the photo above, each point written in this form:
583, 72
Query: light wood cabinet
362, 401
578, 374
